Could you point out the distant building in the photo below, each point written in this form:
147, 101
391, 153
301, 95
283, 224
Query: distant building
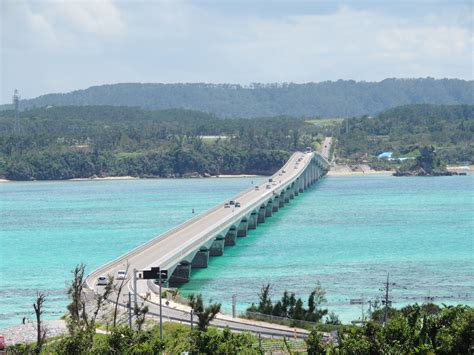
389, 156
385, 155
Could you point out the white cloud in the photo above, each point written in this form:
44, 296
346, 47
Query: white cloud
58, 24
92, 42
99, 17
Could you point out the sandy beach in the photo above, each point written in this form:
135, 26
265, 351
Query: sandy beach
362, 169
106, 178
461, 169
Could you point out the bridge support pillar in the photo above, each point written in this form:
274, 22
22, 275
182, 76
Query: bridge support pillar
217, 247
276, 204
281, 201
292, 193
181, 275
242, 231
230, 237
201, 259
301, 186
269, 209
252, 223
261, 215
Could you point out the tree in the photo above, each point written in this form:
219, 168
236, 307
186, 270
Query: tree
140, 313
205, 314
40, 329
314, 343
83, 312
427, 159
265, 303
118, 289
315, 300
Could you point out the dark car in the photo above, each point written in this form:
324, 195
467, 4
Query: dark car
237, 204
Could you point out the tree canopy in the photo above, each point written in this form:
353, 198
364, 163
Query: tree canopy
329, 99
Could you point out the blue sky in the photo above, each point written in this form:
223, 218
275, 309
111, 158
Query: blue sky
60, 46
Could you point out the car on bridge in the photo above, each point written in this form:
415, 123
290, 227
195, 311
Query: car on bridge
226, 205
237, 204
102, 281
121, 275
269, 187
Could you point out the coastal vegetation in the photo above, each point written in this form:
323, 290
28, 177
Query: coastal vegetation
99, 141
406, 130
426, 164
290, 307
413, 329
81, 142
341, 98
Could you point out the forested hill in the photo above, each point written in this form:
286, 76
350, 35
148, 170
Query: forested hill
83, 141
404, 130
329, 99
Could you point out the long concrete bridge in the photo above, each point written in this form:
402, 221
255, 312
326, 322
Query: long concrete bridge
191, 244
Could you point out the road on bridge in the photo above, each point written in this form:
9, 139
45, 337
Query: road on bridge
169, 248
326, 148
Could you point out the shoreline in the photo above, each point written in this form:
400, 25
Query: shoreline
224, 176
338, 170
360, 173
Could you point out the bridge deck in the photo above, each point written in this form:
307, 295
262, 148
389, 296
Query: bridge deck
171, 247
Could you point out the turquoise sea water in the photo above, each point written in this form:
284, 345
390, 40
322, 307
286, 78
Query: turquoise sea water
346, 232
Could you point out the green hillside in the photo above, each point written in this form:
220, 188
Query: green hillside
326, 99
403, 130
83, 141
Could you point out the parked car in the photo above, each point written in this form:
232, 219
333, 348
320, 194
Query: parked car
102, 281
121, 274
226, 205
237, 204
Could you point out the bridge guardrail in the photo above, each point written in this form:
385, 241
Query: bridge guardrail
188, 249
167, 234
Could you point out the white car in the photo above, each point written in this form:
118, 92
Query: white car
121, 274
102, 281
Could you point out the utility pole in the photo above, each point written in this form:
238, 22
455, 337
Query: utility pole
385, 314
161, 309
130, 310
234, 304
135, 287
362, 307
